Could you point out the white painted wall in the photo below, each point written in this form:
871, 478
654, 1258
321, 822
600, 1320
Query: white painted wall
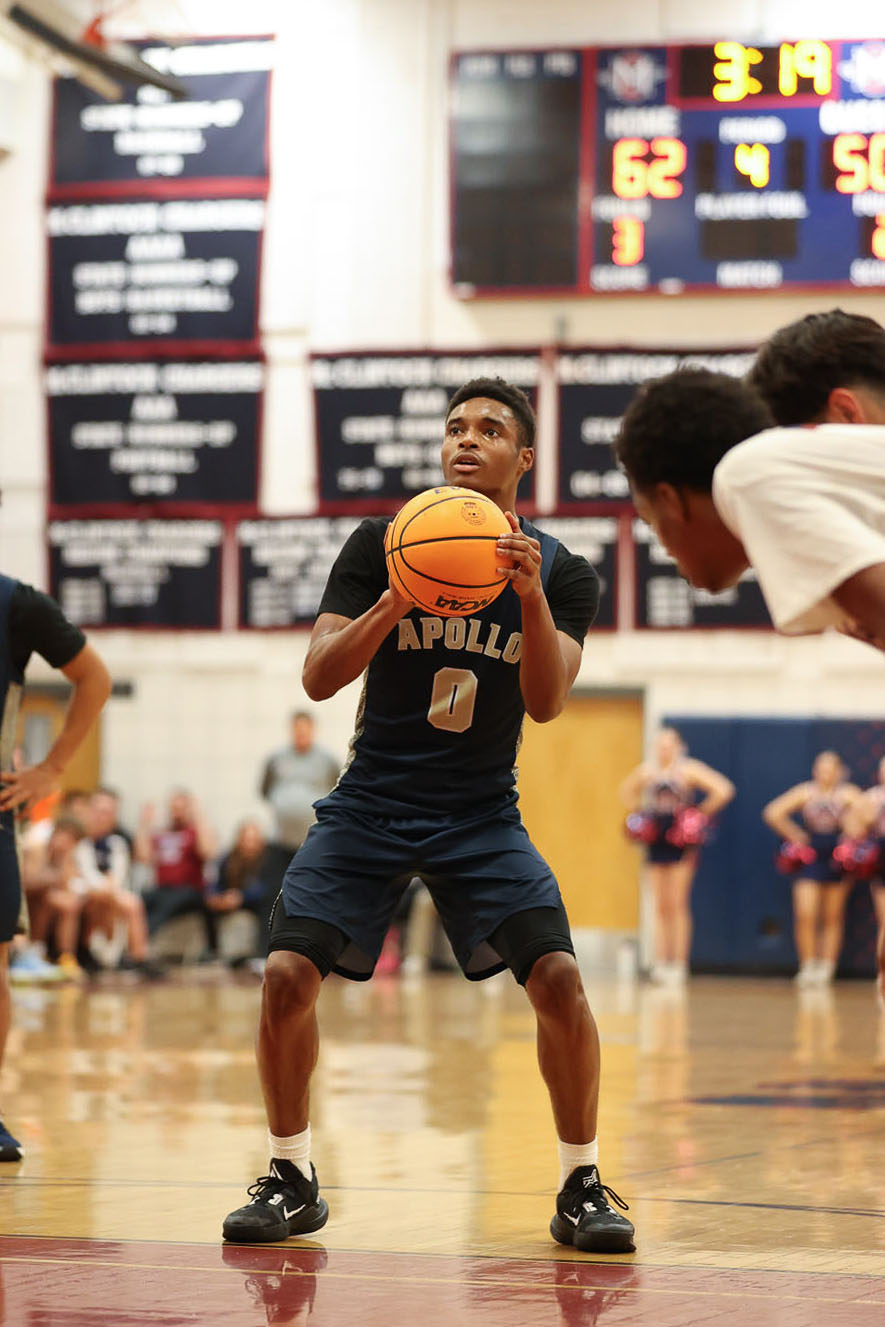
356, 257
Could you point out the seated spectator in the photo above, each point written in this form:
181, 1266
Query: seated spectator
103, 862
177, 855
55, 894
242, 881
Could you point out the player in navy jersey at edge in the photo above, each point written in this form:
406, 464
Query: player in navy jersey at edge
32, 622
429, 790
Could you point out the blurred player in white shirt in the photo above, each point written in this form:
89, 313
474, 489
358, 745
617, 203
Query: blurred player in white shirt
725, 489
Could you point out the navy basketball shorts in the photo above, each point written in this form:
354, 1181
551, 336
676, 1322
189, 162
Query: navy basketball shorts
10, 879
496, 896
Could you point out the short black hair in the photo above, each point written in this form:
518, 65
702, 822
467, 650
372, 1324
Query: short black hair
797, 368
677, 428
496, 389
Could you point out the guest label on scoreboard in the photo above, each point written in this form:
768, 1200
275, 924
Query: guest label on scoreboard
158, 574
728, 166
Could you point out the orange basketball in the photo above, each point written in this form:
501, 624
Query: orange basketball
441, 554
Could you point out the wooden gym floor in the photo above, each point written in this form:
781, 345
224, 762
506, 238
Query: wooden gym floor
742, 1120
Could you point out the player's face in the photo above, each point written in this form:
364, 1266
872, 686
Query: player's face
689, 527
482, 448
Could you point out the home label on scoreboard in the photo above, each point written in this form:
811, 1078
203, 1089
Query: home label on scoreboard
730, 166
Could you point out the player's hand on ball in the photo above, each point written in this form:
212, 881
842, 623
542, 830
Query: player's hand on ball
396, 601
524, 557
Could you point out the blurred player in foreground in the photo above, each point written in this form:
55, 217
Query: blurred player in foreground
805, 507
430, 791
32, 622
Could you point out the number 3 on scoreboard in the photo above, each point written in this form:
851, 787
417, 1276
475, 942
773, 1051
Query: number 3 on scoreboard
452, 699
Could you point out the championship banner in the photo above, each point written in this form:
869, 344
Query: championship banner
162, 433
177, 274
151, 143
157, 574
284, 565
664, 600
594, 388
380, 421
596, 539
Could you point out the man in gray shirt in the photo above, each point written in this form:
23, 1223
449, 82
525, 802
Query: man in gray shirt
294, 778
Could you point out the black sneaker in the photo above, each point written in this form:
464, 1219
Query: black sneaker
283, 1203
586, 1219
10, 1148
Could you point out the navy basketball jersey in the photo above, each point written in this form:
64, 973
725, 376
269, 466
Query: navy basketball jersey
440, 716
11, 681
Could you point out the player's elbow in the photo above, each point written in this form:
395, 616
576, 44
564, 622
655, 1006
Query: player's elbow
311, 680
544, 709
317, 682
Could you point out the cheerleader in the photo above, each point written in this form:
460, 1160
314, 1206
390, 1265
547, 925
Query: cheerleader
661, 796
872, 817
820, 885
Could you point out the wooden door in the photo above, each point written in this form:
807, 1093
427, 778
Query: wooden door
569, 772
40, 720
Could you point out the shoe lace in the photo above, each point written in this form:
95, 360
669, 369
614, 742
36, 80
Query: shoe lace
263, 1182
273, 1183
610, 1193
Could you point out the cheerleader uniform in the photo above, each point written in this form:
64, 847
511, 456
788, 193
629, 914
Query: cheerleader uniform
822, 816
876, 832
666, 794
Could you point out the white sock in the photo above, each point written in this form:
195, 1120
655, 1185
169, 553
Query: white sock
572, 1155
296, 1149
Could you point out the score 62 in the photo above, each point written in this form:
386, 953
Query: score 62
641, 169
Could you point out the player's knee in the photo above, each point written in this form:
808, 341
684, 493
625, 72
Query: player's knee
554, 986
291, 985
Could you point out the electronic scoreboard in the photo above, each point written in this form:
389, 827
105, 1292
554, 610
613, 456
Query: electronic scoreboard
729, 166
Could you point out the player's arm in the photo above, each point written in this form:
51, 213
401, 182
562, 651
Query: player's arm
779, 812
341, 648
550, 658
862, 597
718, 789
359, 608
630, 791
92, 686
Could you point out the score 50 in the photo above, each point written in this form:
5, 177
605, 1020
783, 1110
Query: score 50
861, 161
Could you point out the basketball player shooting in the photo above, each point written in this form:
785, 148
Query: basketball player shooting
430, 791
804, 506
